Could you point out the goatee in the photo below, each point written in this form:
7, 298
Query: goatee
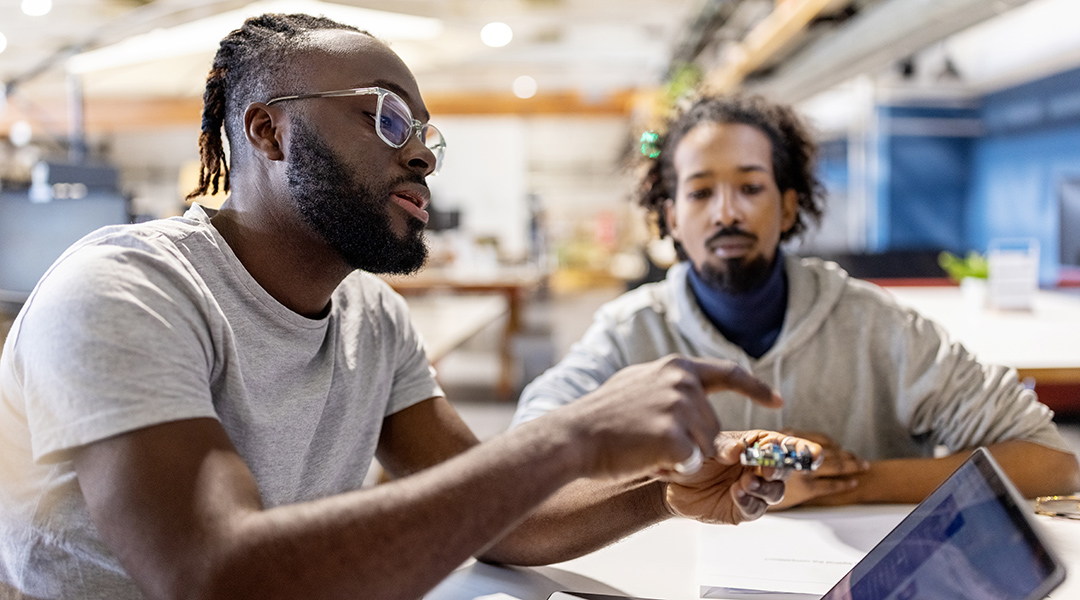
738, 276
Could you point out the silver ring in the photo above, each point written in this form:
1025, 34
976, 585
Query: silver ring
690, 465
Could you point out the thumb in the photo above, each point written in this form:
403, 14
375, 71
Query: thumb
729, 447
720, 375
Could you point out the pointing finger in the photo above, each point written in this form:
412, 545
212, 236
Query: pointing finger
717, 375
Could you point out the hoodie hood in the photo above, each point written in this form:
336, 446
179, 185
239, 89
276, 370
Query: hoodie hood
814, 289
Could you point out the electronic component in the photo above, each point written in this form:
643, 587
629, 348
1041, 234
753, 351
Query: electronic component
778, 457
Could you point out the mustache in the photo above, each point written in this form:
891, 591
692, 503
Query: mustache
416, 178
728, 232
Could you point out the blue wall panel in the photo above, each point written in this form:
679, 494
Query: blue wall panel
1032, 144
1015, 180
927, 192
924, 169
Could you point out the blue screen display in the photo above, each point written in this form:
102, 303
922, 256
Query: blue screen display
967, 540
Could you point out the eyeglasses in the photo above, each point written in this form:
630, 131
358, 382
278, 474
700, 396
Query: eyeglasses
393, 120
1058, 506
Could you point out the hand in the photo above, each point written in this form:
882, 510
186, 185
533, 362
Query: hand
725, 491
839, 472
651, 416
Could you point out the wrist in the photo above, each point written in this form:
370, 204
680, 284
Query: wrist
663, 509
566, 445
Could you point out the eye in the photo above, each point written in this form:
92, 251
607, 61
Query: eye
751, 189
700, 194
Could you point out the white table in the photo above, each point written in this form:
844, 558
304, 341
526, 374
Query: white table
1041, 343
661, 562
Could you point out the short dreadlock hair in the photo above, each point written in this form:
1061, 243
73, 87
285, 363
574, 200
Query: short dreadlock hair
793, 155
250, 65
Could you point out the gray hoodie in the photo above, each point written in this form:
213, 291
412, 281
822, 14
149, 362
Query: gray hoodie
850, 362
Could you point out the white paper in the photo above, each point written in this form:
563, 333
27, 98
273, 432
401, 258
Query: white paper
792, 552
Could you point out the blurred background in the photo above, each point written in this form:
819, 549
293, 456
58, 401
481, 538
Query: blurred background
944, 125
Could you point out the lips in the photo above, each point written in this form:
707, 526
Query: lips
413, 201
731, 246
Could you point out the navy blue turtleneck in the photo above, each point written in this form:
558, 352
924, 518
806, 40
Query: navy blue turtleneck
751, 320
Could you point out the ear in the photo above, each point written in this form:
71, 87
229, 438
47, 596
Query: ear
264, 131
671, 220
789, 209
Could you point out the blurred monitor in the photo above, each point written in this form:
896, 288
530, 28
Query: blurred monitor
33, 234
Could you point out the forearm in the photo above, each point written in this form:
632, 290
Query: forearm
397, 540
1035, 470
196, 529
582, 517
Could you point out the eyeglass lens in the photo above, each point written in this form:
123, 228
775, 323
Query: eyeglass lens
395, 120
395, 124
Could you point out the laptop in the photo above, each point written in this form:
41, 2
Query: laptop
973, 538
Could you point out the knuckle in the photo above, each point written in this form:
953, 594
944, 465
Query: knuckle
671, 361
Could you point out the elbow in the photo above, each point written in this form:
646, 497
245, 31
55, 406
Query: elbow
529, 547
1060, 476
1063, 475
507, 553
210, 575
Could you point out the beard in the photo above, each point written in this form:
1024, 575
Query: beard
736, 275
351, 217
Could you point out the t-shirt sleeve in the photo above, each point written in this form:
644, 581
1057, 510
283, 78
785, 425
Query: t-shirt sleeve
414, 377
113, 339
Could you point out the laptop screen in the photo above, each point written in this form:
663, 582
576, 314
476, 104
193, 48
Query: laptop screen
970, 539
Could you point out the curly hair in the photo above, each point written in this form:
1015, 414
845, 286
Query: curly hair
250, 64
793, 155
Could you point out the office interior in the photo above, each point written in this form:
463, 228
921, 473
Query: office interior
944, 126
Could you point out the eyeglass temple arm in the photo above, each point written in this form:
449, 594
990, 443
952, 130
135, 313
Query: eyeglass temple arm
331, 94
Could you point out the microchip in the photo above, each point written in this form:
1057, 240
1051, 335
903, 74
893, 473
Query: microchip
777, 457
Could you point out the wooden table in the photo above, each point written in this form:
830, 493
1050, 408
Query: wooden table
511, 282
447, 320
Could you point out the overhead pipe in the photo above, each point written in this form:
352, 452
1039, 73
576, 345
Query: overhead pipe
872, 40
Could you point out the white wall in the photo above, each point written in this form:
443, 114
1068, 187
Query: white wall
484, 177
494, 163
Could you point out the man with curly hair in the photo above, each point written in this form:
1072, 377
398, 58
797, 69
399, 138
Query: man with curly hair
880, 387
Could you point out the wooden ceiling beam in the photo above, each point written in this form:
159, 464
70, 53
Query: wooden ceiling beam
787, 20
105, 115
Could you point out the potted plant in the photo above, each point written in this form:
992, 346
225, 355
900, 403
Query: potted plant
971, 273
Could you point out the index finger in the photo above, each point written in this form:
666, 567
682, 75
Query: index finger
717, 375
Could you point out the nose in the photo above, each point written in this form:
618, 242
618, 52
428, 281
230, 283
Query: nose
418, 156
724, 207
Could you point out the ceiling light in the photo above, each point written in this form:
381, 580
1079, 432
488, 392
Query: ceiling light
496, 34
36, 8
20, 133
204, 35
525, 87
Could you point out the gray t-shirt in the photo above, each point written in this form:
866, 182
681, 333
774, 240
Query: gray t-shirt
144, 324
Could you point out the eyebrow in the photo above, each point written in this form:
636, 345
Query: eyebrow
750, 168
400, 91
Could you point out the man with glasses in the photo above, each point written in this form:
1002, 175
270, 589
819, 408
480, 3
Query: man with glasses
188, 407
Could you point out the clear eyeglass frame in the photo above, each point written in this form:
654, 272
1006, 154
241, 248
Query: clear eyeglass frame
1058, 506
392, 105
